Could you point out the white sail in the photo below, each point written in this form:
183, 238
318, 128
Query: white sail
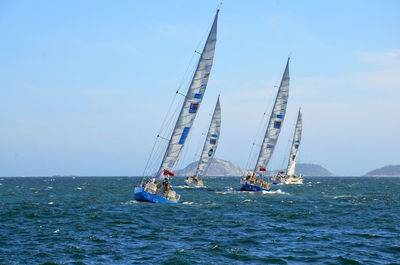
295, 146
211, 143
191, 103
275, 123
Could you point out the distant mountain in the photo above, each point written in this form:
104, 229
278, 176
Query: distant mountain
221, 167
218, 167
386, 171
311, 170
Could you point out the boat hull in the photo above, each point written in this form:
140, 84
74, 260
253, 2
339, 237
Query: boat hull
294, 181
277, 182
194, 184
248, 187
142, 195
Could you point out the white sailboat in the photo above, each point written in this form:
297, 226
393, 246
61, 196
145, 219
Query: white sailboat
290, 177
158, 189
209, 149
253, 180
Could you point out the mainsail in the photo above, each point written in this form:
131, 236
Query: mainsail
295, 146
191, 103
275, 123
211, 143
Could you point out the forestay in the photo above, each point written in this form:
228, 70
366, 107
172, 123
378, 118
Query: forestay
211, 143
275, 123
191, 103
295, 146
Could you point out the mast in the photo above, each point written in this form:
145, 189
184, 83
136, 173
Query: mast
211, 142
190, 105
275, 123
295, 146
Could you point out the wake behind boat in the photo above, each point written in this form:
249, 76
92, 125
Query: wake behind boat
209, 149
158, 189
254, 180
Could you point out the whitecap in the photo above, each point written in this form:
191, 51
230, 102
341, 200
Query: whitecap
278, 191
130, 202
56, 231
342, 196
187, 203
49, 188
225, 192
249, 200
51, 203
78, 188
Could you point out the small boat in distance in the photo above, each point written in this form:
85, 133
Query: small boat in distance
158, 189
290, 177
255, 180
209, 149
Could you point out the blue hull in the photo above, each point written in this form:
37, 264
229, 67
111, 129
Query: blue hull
142, 195
247, 187
277, 182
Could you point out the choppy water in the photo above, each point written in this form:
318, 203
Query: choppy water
95, 221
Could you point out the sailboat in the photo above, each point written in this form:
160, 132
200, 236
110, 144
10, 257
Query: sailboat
209, 148
158, 189
254, 180
290, 177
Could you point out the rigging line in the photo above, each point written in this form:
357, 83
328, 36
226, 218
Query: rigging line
193, 55
148, 160
156, 158
256, 136
171, 117
162, 138
152, 166
158, 136
186, 72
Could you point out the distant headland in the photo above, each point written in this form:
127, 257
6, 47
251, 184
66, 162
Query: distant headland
386, 171
220, 167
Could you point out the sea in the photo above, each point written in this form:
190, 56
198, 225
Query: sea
95, 220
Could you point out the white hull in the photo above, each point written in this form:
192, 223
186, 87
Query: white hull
194, 184
294, 181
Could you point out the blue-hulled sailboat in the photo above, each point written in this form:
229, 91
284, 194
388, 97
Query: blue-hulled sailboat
158, 189
255, 180
209, 149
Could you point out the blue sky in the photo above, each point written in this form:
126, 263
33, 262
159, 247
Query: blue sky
84, 85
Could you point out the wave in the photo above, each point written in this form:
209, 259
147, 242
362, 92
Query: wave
278, 191
130, 202
342, 197
189, 187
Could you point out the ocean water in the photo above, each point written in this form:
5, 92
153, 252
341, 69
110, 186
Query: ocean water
82, 220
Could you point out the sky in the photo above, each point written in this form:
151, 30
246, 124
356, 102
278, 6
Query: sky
85, 85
